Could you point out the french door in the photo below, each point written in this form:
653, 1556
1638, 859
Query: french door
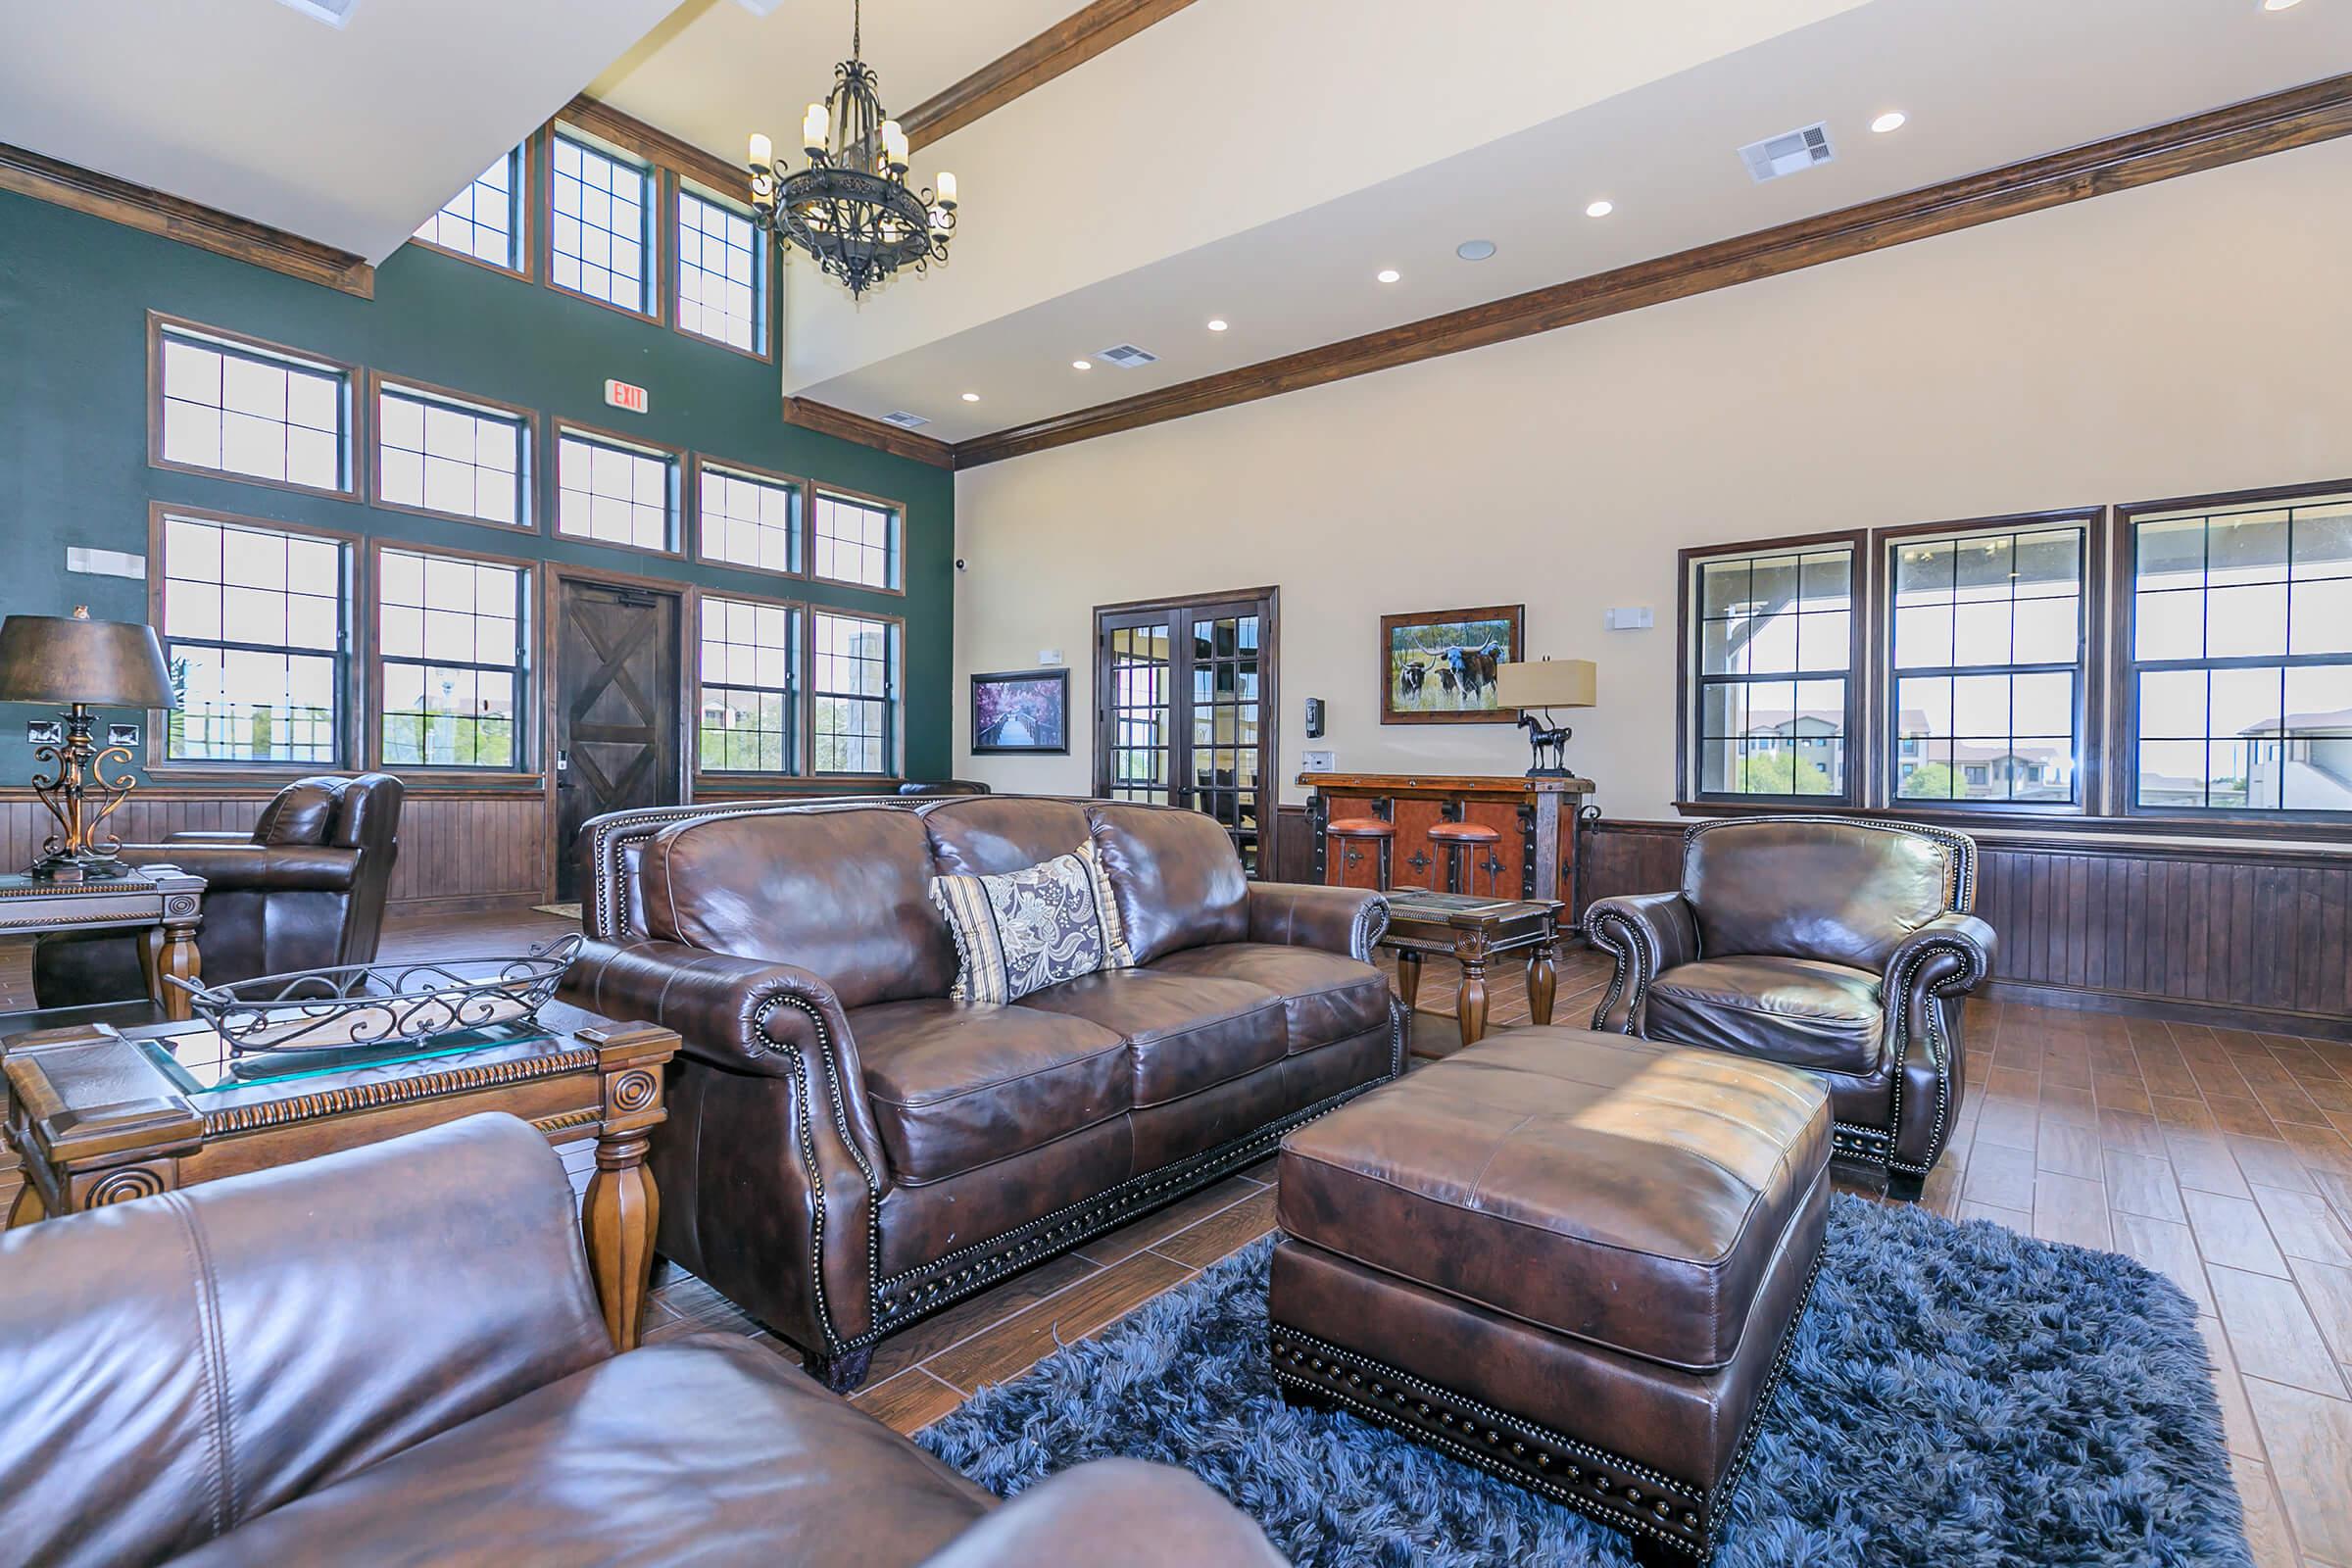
1186, 708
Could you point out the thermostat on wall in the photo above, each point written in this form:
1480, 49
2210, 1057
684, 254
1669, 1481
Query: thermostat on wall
1636, 619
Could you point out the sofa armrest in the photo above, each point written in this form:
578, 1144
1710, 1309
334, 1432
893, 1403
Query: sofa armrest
1309, 914
1121, 1511
250, 867
1925, 976
1646, 934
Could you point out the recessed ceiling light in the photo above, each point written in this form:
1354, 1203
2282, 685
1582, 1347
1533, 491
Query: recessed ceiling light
1475, 250
2279, 5
1217, 324
1600, 209
1388, 275
1082, 364
1893, 118
971, 397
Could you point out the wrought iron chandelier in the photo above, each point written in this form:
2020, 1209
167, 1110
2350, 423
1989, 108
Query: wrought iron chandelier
851, 209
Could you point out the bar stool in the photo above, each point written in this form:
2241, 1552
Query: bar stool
1472, 836
1348, 831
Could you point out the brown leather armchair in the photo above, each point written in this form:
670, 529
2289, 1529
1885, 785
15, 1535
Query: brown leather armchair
304, 890
1832, 943
395, 1354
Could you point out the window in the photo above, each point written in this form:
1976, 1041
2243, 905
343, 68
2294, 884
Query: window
856, 541
1773, 702
253, 622
484, 220
749, 520
1987, 664
450, 636
2240, 656
601, 235
719, 276
229, 407
453, 458
856, 694
614, 492
751, 712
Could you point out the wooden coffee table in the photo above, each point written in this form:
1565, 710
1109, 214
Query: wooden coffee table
1473, 931
101, 1115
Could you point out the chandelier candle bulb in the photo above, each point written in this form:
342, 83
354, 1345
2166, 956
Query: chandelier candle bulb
894, 146
947, 190
764, 154
814, 129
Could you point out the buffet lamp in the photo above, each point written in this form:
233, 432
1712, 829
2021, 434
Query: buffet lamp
80, 661
1546, 683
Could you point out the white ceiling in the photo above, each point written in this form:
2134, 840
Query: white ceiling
347, 135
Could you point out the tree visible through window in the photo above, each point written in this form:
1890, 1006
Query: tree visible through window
450, 635
855, 692
1774, 654
750, 709
254, 635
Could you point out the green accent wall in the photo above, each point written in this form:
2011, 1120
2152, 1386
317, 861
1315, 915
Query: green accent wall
75, 293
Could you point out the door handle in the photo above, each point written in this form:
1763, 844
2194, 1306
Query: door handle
562, 770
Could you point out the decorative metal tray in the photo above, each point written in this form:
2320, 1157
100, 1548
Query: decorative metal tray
357, 1005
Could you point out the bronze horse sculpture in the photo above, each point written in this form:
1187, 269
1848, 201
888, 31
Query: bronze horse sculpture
1540, 740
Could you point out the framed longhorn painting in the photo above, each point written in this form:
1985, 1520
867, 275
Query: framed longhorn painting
1437, 667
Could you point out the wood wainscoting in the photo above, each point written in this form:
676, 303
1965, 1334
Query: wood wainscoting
2230, 934
458, 849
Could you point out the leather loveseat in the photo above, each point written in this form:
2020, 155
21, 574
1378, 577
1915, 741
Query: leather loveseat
848, 1150
304, 890
1839, 945
394, 1355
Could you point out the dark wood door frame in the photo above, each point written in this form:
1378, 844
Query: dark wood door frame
551, 726
1270, 704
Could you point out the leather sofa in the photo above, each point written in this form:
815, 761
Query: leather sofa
395, 1354
304, 890
1834, 944
848, 1150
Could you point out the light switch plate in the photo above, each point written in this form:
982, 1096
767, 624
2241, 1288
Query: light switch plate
1318, 761
1049, 655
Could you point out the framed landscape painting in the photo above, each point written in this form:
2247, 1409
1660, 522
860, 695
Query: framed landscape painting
1022, 711
1437, 667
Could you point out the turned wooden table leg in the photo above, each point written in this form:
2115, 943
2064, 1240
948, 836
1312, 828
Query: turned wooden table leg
1408, 976
1543, 982
618, 1222
1470, 1001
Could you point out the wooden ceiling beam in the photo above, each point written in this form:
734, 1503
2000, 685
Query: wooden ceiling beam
1064, 46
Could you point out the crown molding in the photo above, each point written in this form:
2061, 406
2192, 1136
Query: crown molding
657, 146
85, 190
827, 419
1064, 46
2299, 117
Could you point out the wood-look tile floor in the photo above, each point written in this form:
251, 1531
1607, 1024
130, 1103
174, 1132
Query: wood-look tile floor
2221, 1157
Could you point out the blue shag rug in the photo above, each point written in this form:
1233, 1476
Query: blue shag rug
1961, 1395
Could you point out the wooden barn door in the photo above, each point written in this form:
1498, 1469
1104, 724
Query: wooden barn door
617, 741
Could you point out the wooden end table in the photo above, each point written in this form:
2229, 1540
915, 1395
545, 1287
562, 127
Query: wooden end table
1474, 932
162, 901
100, 1115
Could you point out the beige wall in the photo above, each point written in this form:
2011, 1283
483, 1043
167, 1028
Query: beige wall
2191, 336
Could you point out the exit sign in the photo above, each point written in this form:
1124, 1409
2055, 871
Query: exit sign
621, 395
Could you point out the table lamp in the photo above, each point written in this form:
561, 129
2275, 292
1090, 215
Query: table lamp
80, 661
1546, 683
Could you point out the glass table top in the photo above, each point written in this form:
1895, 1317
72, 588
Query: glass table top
198, 1062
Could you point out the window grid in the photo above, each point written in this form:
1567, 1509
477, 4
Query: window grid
749, 520
601, 231
856, 541
718, 273
750, 701
233, 410
1140, 704
1986, 649
450, 639
254, 633
1775, 657
483, 220
439, 455
855, 692
614, 494
2240, 664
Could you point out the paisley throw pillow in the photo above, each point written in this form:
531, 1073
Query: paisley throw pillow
1029, 929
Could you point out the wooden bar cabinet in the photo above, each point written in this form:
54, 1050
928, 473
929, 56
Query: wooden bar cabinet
1536, 818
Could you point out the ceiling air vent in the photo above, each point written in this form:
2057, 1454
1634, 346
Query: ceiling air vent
334, 12
904, 420
1790, 154
1128, 356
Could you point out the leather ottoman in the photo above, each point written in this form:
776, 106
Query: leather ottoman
1575, 1259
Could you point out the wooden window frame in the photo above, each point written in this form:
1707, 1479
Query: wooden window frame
355, 424
526, 675
674, 185
2123, 739
557, 428
2092, 664
898, 539
806, 488
1856, 736
804, 718
525, 219
528, 495
656, 207
351, 657
895, 743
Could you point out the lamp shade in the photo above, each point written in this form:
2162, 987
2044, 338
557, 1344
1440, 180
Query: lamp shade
1546, 683
72, 659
